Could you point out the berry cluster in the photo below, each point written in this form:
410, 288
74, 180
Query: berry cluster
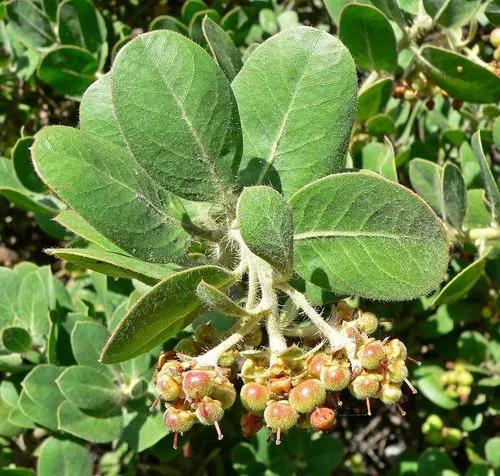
192, 395
435, 433
457, 382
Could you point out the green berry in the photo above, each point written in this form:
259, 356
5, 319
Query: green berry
209, 411
371, 355
452, 437
254, 397
178, 421
365, 386
426, 428
435, 422
198, 383
316, 362
280, 415
323, 419
397, 371
367, 323
465, 378
495, 37
168, 388
225, 393
306, 396
395, 350
390, 394
336, 376
434, 438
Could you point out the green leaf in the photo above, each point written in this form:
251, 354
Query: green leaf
296, 95
461, 77
432, 389
373, 99
82, 425
369, 36
477, 215
64, 458
491, 187
98, 171
30, 24
80, 24
87, 340
492, 12
361, 234
451, 13
391, 9
33, 304
195, 30
191, 7
492, 451
218, 301
50, 8
68, 70
426, 179
114, 264
434, 461
266, 226
21, 159
88, 388
472, 347
9, 284
166, 22
288, 19
381, 125
16, 339
438, 324
161, 313
222, 48
379, 158
143, 431
191, 150
37, 413
454, 195
268, 21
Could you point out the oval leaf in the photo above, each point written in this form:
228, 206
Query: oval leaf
454, 195
218, 301
425, 178
360, 234
21, 159
16, 339
64, 458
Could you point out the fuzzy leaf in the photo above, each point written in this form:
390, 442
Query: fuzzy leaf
9, 285
296, 95
33, 304
64, 458
193, 141
160, 313
361, 234
369, 36
266, 226
218, 301
96, 170
23, 166
454, 195
167, 22
379, 158
36, 412
425, 178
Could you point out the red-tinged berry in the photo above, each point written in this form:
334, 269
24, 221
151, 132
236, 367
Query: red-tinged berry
280, 385
171, 367
178, 420
316, 362
168, 388
397, 371
323, 419
198, 383
371, 355
280, 415
306, 396
395, 350
365, 386
210, 412
390, 393
367, 323
336, 376
251, 424
225, 393
254, 397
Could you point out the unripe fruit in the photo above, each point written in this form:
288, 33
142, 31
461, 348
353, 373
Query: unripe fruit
306, 396
344, 311
435, 423
397, 371
371, 355
390, 394
451, 391
206, 334
225, 393
171, 367
251, 424
323, 419
465, 378
209, 411
336, 376
463, 393
253, 338
365, 386
316, 362
188, 346
254, 397
178, 421
434, 438
228, 358
495, 37
198, 383
452, 437
353, 334
168, 388
367, 323
395, 350
280, 385
280, 416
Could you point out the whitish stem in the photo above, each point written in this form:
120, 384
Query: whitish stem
253, 284
336, 339
484, 234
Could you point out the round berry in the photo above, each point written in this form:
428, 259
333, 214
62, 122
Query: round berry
397, 371
280, 415
316, 362
254, 397
365, 386
168, 388
198, 383
225, 393
306, 396
372, 354
434, 438
177, 420
465, 378
280, 385
452, 437
253, 338
323, 419
395, 350
390, 394
463, 393
251, 424
209, 411
367, 323
206, 334
336, 376
435, 423
495, 37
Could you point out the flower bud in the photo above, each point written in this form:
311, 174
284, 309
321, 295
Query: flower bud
397, 371
395, 350
225, 393
323, 419
251, 424
198, 383
463, 393
390, 394
372, 354
178, 421
168, 388
280, 415
316, 362
365, 386
306, 396
336, 376
228, 358
209, 411
367, 323
253, 338
254, 397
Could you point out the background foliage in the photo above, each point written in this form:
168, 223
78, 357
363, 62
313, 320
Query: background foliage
428, 81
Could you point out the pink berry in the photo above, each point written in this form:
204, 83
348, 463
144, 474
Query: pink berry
198, 383
177, 420
209, 411
306, 396
323, 419
254, 397
336, 376
316, 362
365, 386
280, 415
371, 355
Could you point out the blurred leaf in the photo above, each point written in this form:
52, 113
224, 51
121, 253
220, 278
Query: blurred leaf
373, 99
33, 303
143, 431
167, 22
23, 166
476, 215
492, 451
63, 458
438, 324
472, 347
431, 388
379, 158
16, 339
451, 13
435, 461
380, 125
288, 19
191, 7
472, 422
195, 29
454, 195
268, 21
